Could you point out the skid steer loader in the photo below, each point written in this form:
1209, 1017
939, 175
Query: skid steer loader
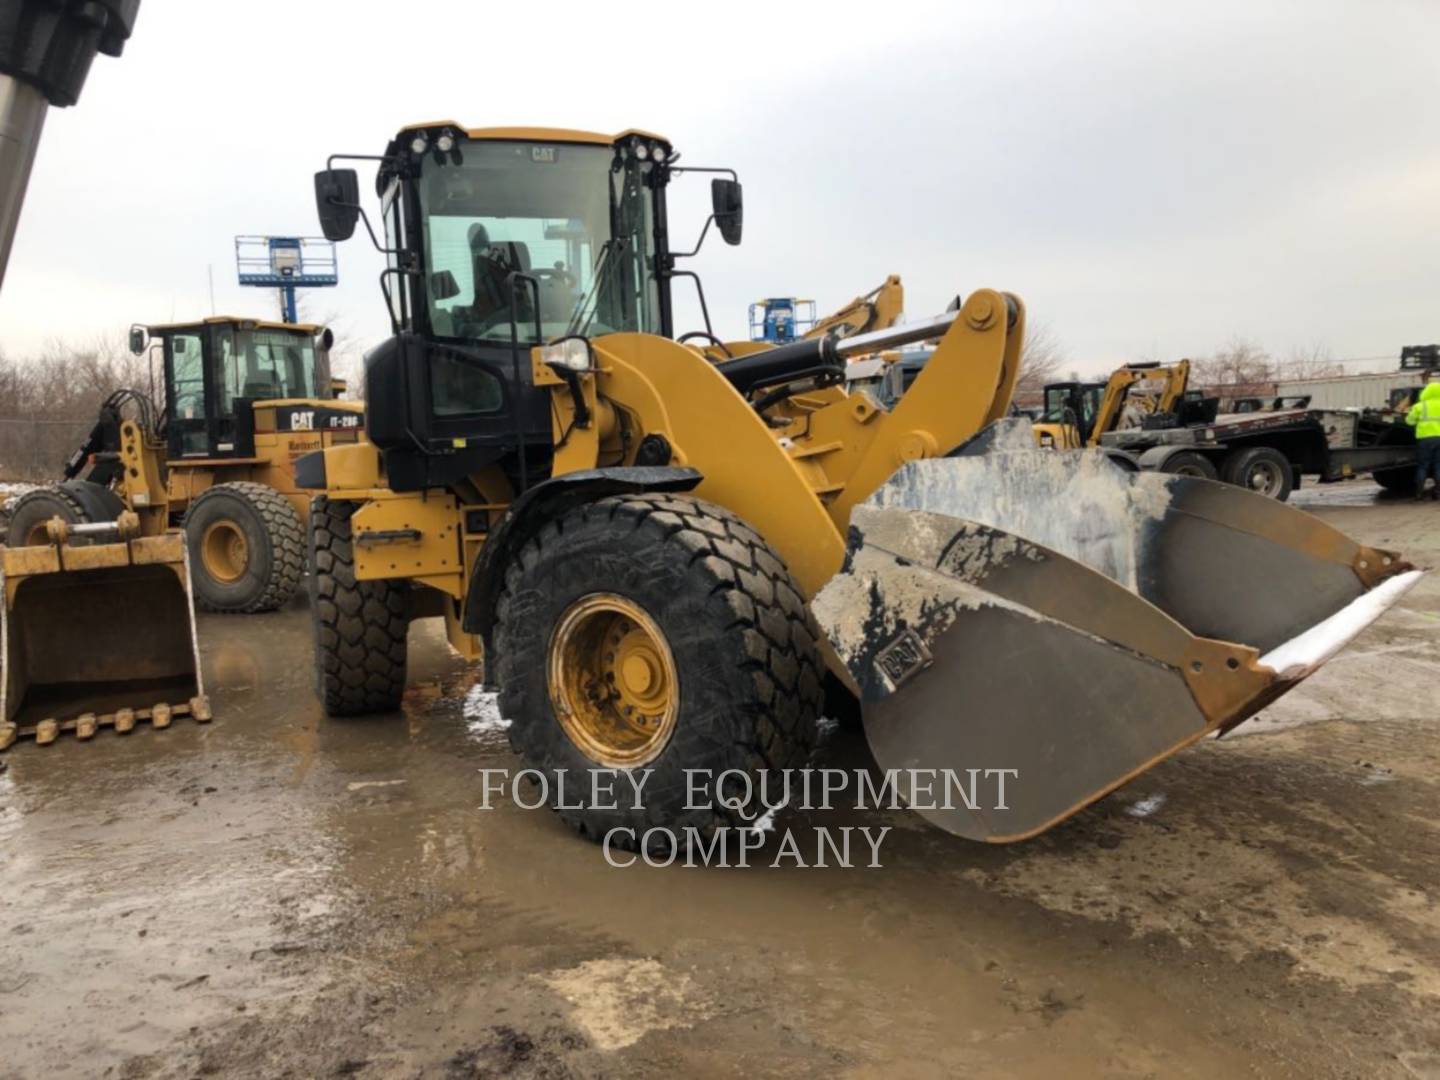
666, 547
243, 399
96, 626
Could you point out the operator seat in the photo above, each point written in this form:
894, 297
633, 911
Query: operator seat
492, 262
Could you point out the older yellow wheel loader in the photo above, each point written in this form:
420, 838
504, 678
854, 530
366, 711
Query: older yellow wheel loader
96, 627
666, 551
243, 400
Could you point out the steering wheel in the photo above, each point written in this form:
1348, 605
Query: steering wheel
708, 337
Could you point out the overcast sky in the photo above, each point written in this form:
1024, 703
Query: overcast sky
1152, 179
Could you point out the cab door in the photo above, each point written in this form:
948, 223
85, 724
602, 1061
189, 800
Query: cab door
230, 432
188, 424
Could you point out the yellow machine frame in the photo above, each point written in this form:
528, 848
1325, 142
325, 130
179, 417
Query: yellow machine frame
836, 450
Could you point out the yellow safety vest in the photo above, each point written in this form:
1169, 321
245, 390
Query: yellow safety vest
1425, 415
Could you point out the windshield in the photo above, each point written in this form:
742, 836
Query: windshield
1057, 399
264, 365
569, 216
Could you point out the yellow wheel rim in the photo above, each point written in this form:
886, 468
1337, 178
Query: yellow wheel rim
37, 536
224, 552
612, 681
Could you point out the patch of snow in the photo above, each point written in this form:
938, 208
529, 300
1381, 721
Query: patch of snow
1305, 652
482, 711
766, 821
361, 785
1142, 808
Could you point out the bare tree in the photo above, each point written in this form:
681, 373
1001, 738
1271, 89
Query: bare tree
1041, 360
48, 401
1313, 362
346, 358
1242, 367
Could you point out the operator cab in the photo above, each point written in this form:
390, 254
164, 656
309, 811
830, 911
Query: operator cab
1074, 403
497, 240
215, 370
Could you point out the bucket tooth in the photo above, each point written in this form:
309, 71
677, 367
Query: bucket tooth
85, 726
8, 733
160, 716
1051, 614
200, 709
124, 721
47, 731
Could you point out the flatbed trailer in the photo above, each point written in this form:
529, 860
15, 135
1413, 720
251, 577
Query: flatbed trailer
1269, 452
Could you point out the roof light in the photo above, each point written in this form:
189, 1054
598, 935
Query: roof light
642, 149
419, 144
445, 143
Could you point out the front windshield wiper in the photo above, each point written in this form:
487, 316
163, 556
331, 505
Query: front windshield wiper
599, 279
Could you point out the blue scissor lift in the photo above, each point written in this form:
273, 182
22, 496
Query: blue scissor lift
779, 319
286, 263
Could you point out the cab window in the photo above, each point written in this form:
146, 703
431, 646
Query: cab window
274, 364
227, 383
187, 367
459, 387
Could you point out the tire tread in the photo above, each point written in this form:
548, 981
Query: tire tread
360, 627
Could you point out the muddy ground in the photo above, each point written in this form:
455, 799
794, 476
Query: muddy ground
280, 895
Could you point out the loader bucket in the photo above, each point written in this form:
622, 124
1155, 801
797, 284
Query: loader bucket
97, 636
1051, 614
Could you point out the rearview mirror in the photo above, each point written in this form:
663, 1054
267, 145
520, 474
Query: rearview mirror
728, 205
138, 339
337, 201
443, 285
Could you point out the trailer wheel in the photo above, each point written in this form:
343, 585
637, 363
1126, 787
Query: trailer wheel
31, 511
1191, 463
360, 627
1261, 469
655, 634
1399, 481
247, 548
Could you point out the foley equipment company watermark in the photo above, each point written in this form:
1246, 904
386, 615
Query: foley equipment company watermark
752, 800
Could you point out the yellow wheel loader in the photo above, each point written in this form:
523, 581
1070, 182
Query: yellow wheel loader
243, 399
667, 553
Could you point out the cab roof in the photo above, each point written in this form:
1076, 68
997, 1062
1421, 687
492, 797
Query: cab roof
230, 320
538, 134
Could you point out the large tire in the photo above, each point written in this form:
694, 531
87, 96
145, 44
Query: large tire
30, 512
748, 678
360, 626
1191, 463
247, 548
1399, 481
1261, 469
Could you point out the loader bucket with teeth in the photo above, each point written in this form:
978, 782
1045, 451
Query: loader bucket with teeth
1052, 614
97, 634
